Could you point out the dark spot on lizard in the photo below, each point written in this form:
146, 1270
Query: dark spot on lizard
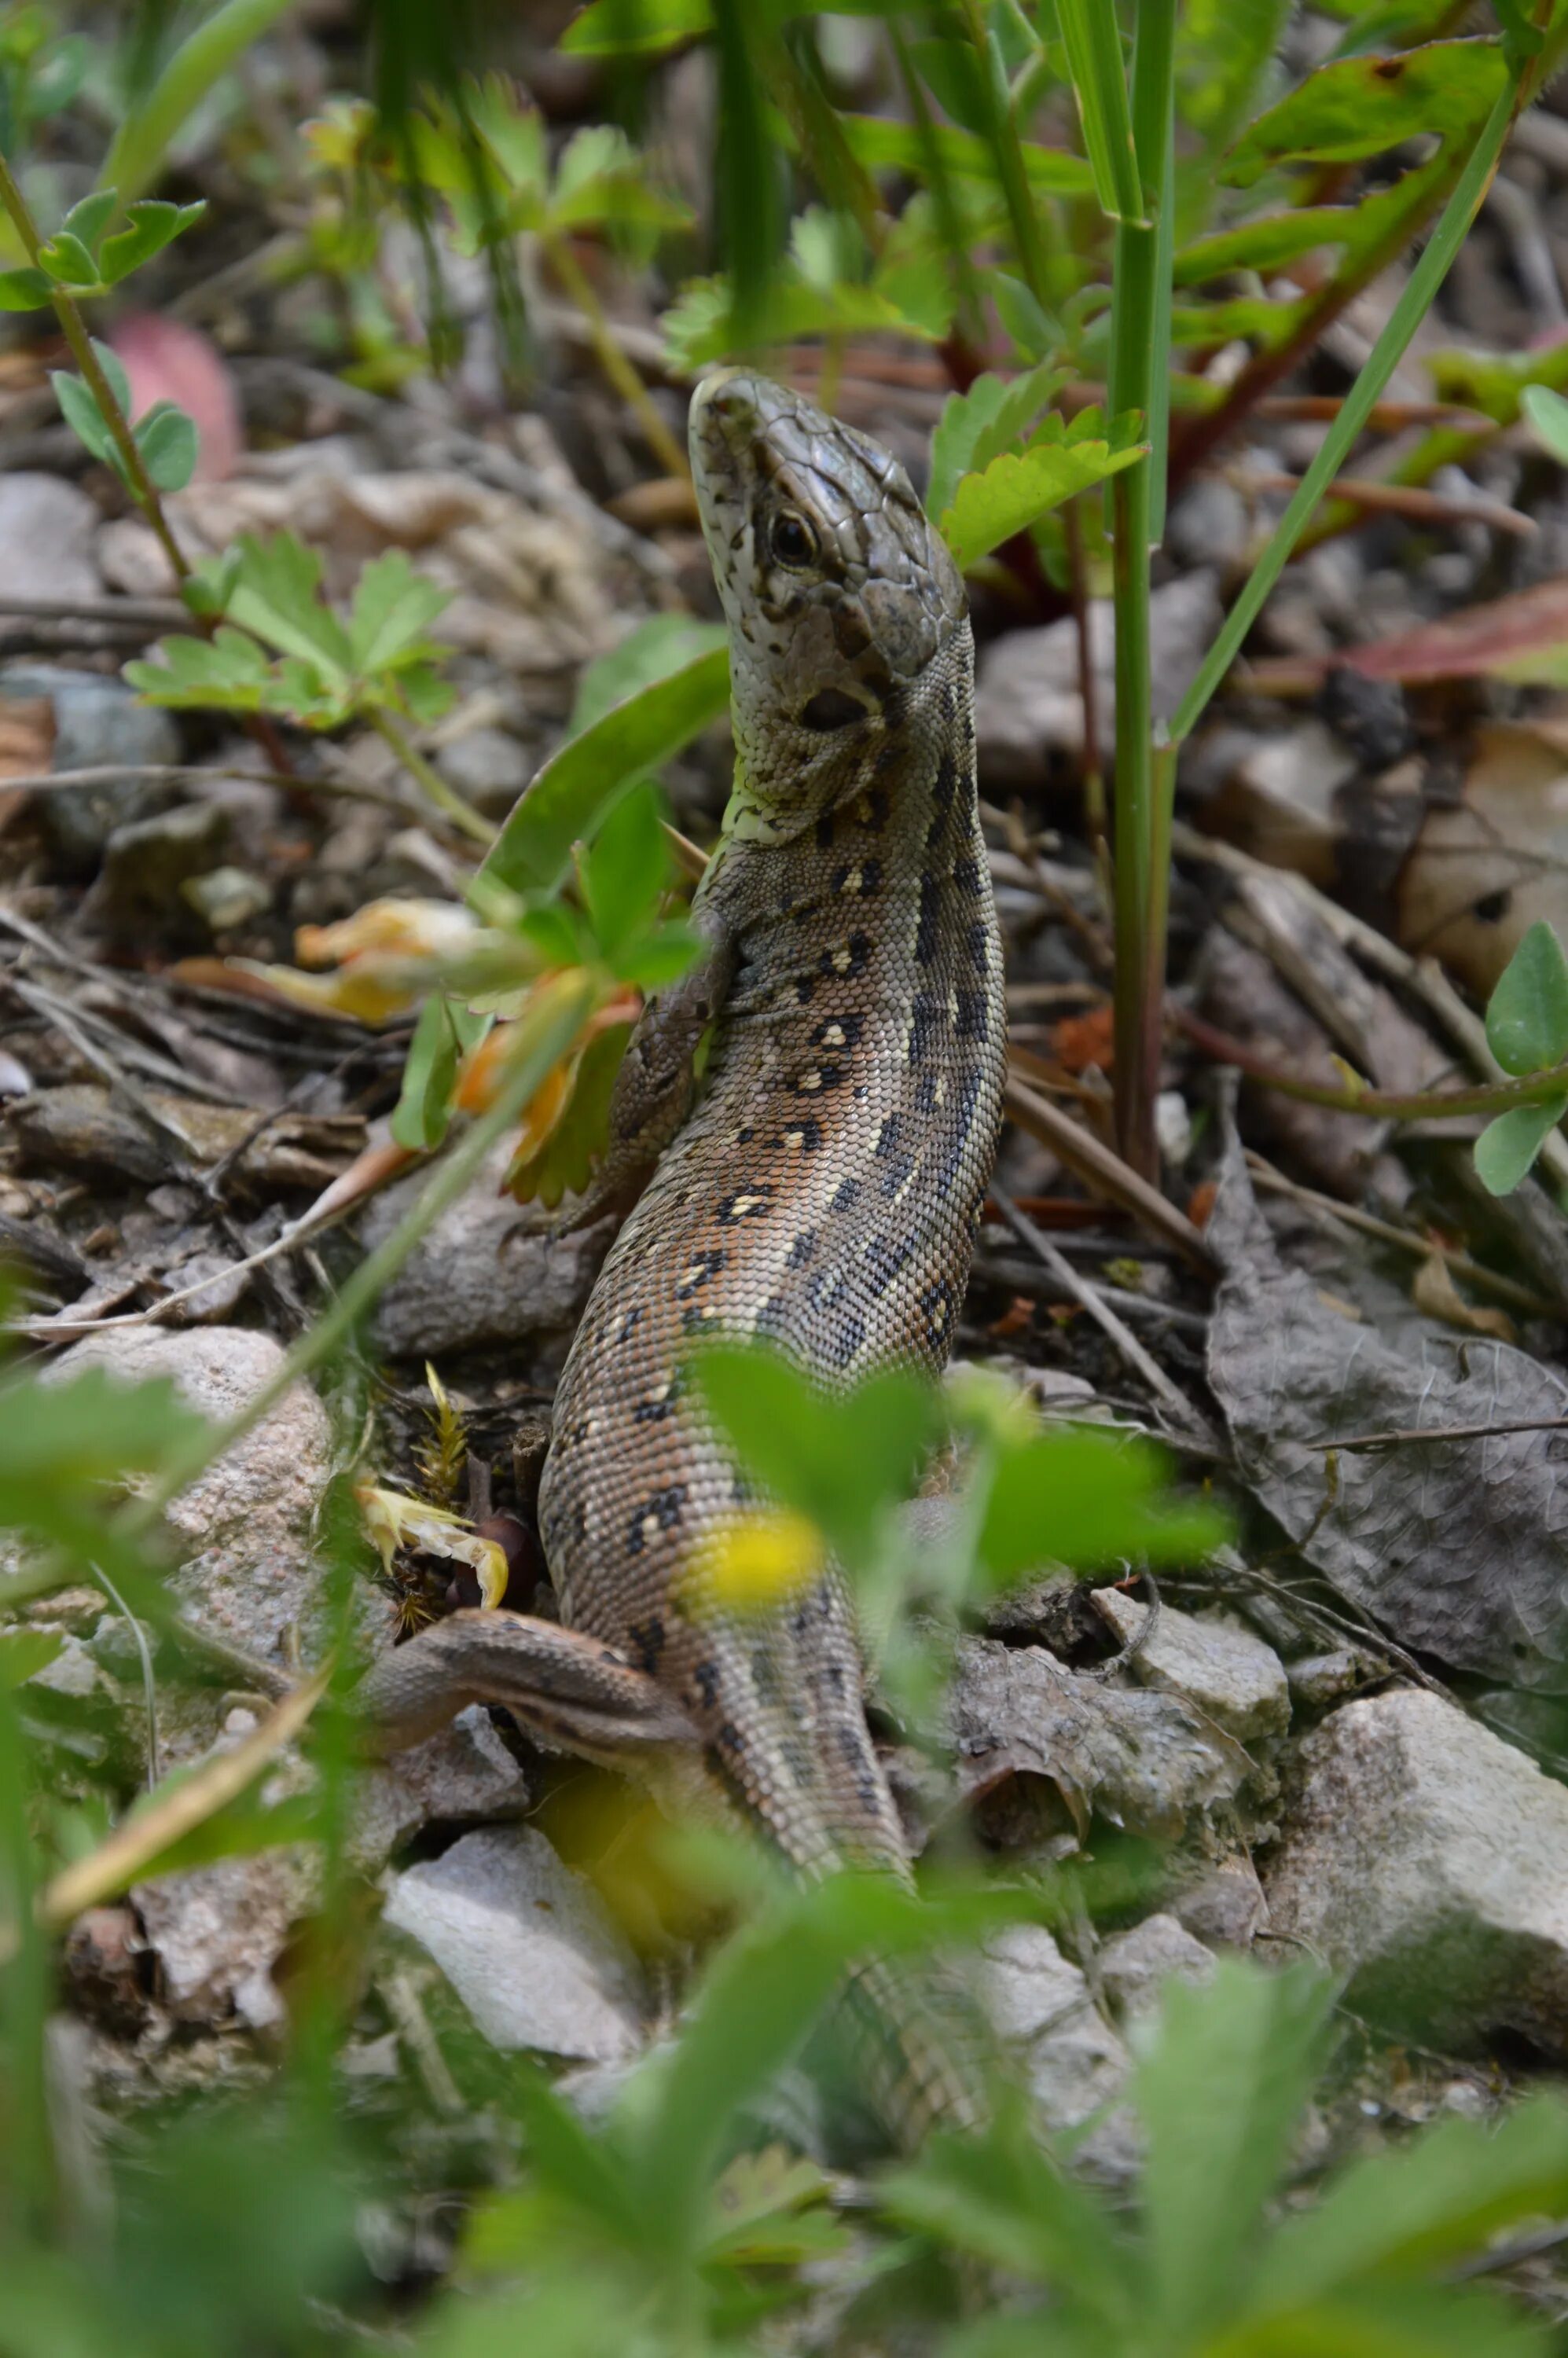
926, 931
661, 1512
845, 1196
800, 1252
704, 1678
744, 1204
825, 832
972, 1011
647, 1642
946, 782
847, 1340
839, 1032
830, 709
967, 874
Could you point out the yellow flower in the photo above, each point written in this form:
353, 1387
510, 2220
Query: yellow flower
429, 929
754, 1564
393, 1519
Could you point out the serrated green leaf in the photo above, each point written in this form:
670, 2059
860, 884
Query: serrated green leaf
1507, 1149
579, 782
978, 426
1356, 107
1423, 2206
151, 223
169, 444
23, 290
67, 261
1526, 1016
1017, 488
1547, 413
275, 597
1221, 2093
392, 611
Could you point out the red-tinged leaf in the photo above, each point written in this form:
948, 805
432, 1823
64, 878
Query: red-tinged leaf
1523, 637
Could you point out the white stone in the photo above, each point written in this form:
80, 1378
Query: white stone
1136, 1966
1428, 1860
526, 1946
1045, 2014
245, 1524
1234, 1678
47, 528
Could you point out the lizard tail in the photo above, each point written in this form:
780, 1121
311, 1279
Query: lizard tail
921, 2048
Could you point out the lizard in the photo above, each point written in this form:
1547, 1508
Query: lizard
823, 1187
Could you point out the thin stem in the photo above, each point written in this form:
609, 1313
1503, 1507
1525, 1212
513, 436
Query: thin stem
613, 360
1378, 1104
1415, 301
1138, 380
1011, 170
74, 328
446, 798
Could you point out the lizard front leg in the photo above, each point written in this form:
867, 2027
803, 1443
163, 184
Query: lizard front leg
654, 1088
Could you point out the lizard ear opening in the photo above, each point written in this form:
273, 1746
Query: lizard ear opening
833, 707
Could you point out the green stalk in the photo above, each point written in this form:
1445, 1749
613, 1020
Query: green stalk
1139, 379
141, 145
1418, 294
462, 814
29, 2179
74, 329
545, 1034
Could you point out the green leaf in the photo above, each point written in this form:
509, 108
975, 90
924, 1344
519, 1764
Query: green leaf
169, 442
662, 645
609, 28
1526, 1016
1002, 2199
883, 143
1356, 107
1548, 415
67, 261
25, 1652
564, 1162
90, 217
82, 414
1092, 39
1506, 1148
625, 870
87, 1428
150, 225
841, 1459
978, 426
1221, 2093
1017, 488
578, 782
23, 290
1224, 51
424, 1109
1090, 1499
1395, 2321
275, 597
392, 609
1422, 2207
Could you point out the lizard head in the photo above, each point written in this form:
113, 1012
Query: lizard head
838, 593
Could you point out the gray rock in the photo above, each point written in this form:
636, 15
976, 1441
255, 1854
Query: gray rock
1027, 707
1075, 2064
148, 862
1428, 1861
488, 767
462, 1775
98, 723
218, 1931
46, 529
526, 1946
1318, 1679
484, 1275
75, 1674
244, 1524
1226, 1907
1148, 1762
1138, 1963
1231, 1676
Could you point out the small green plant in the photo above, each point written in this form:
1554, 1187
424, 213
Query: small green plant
1527, 1031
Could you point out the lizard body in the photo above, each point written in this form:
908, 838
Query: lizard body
825, 1188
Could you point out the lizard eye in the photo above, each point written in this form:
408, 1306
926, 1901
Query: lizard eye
792, 540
